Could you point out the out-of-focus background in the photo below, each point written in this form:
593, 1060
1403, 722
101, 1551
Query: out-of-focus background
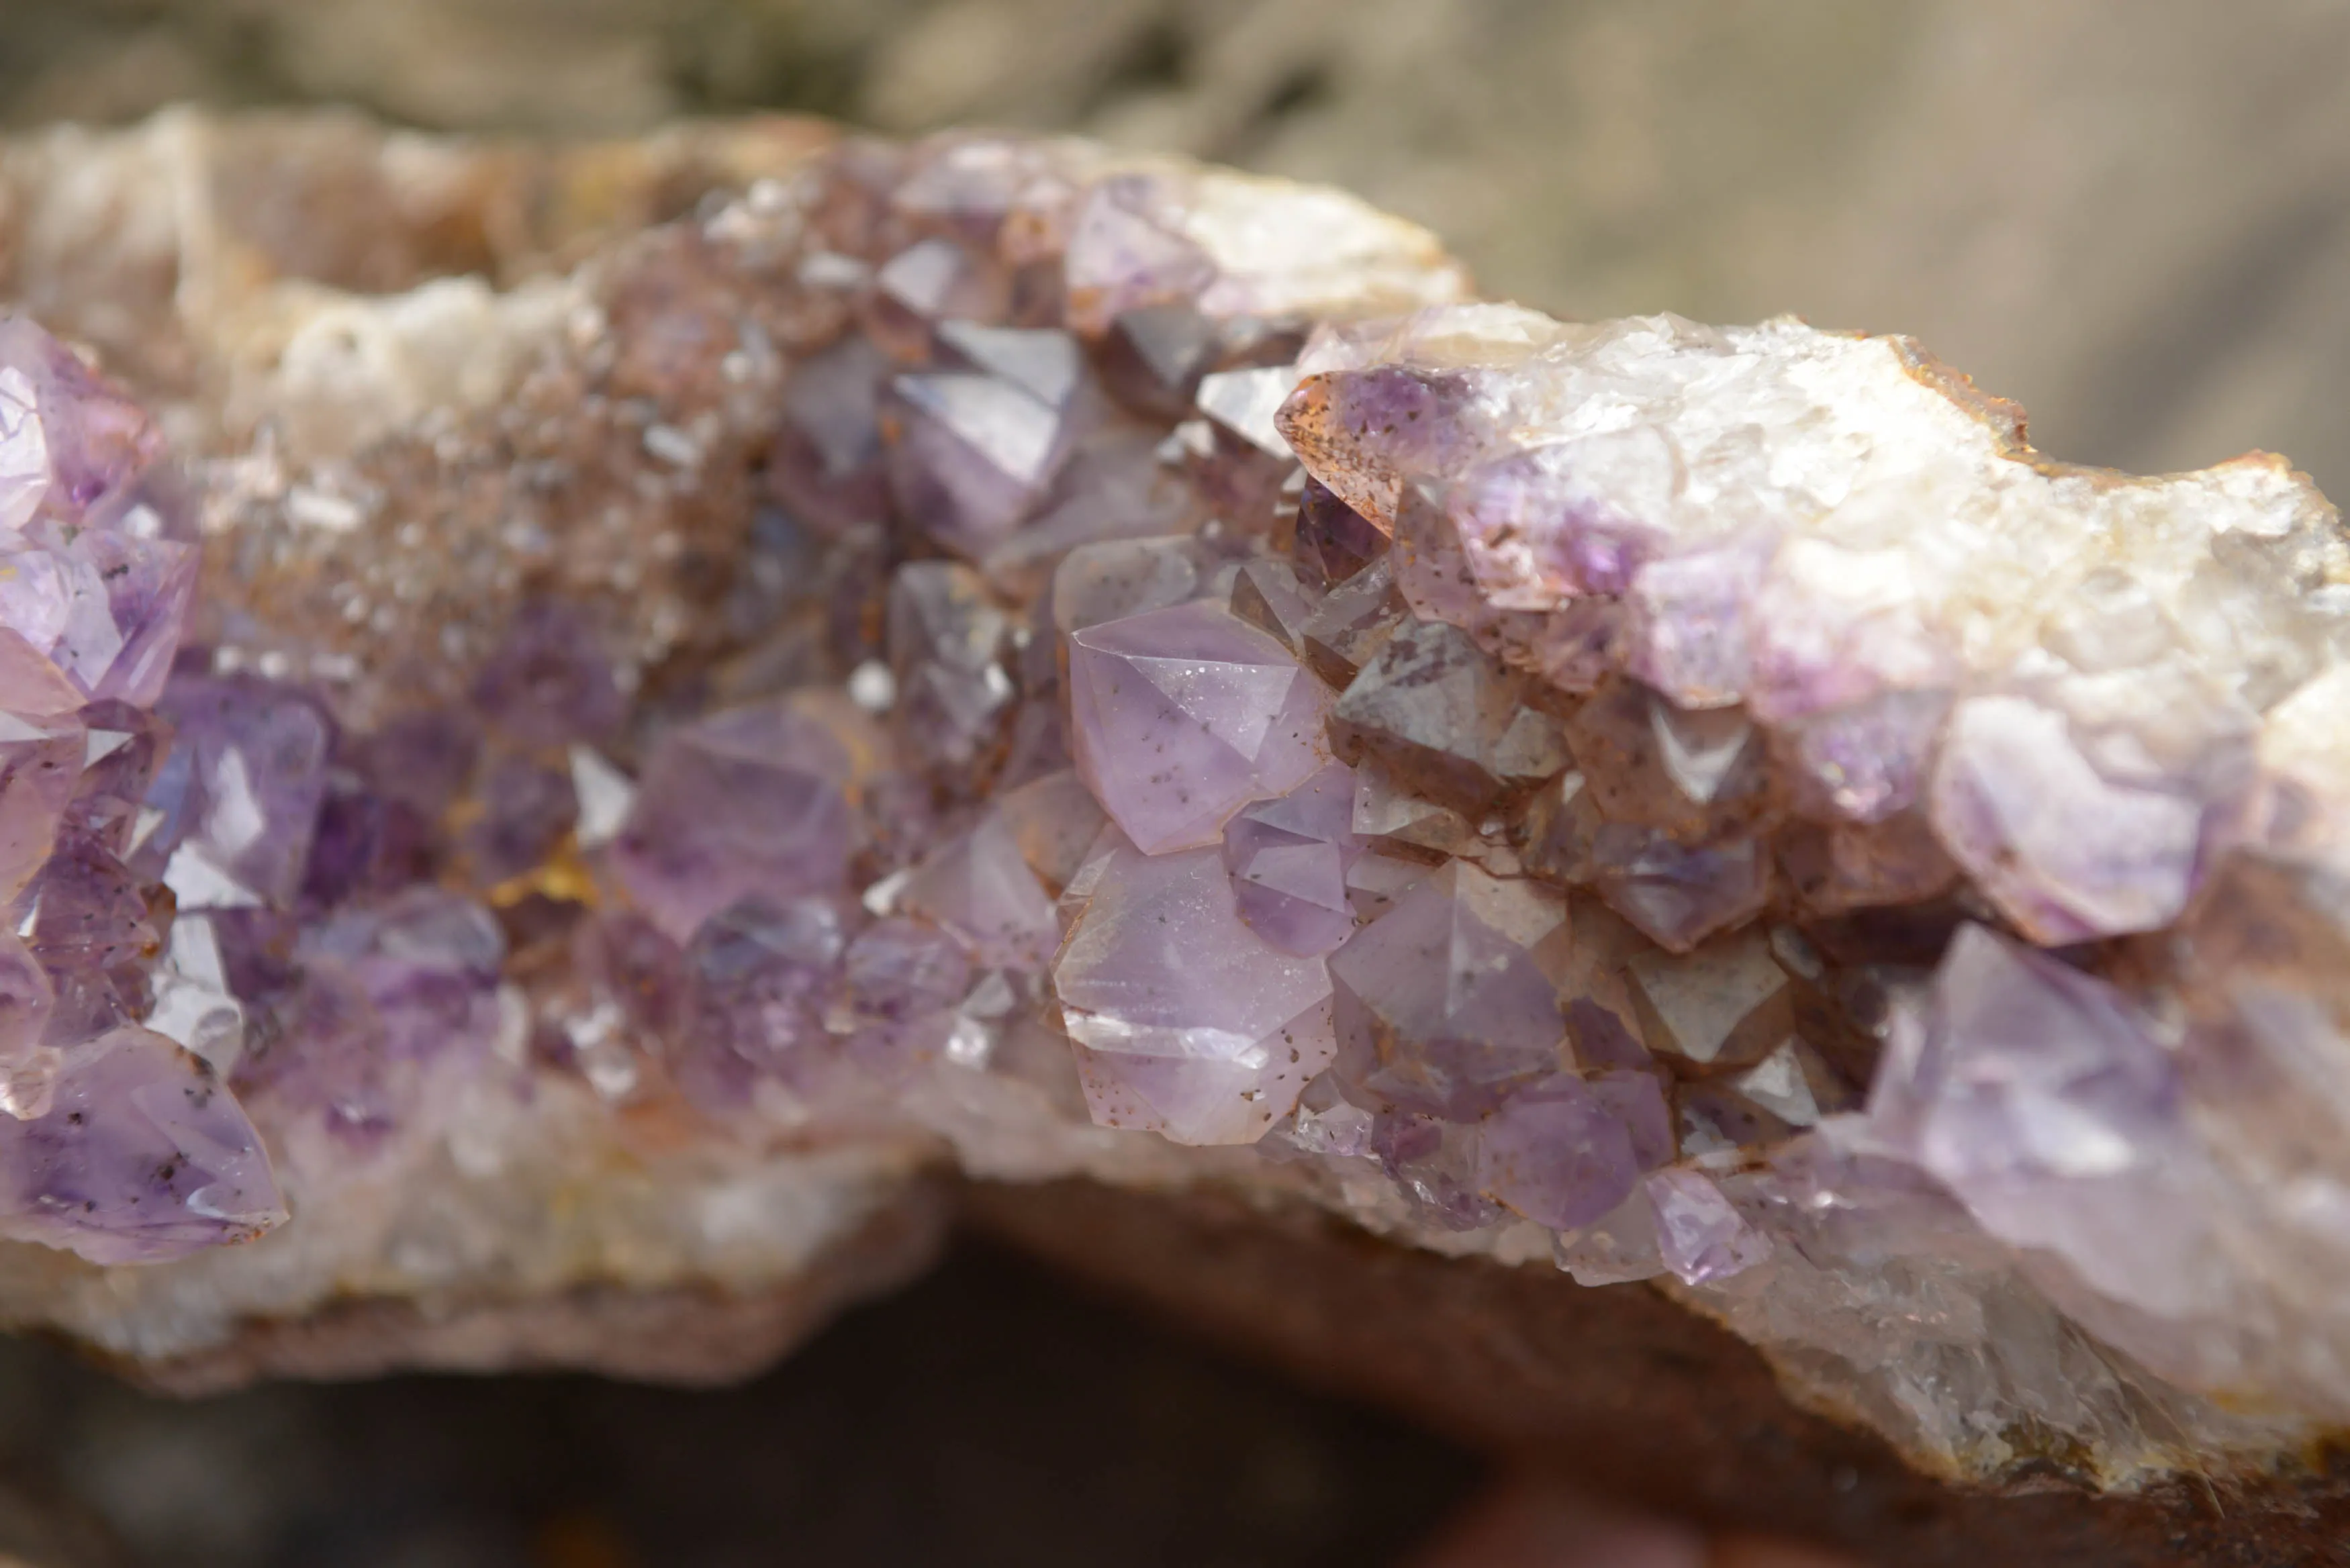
988, 1417
2132, 215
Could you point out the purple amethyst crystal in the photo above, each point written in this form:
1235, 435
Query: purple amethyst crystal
1289, 859
1411, 417
1183, 715
93, 597
759, 975
627, 961
901, 981
40, 765
369, 844
945, 639
428, 961
1122, 255
1436, 1163
1187, 1023
247, 771
84, 911
372, 1005
742, 802
526, 808
1445, 716
1553, 522
69, 443
2067, 853
143, 1156
150, 583
1153, 357
897, 971
28, 999
1699, 1236
979, 888
1677, 895
931, 284
827, 459
549, 680
122, 749
1692, 614
974, 637
2041, 1098
1443, 1003
1868, 762
1348, 627
1271, 597
1556, 1153
1333, 538
1634, 1099
976, 456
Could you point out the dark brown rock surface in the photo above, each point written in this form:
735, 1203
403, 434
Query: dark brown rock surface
1620, 1387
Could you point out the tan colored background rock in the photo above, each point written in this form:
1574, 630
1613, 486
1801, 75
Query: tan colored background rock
2132, 215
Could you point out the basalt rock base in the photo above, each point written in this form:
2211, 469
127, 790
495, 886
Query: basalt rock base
543, 810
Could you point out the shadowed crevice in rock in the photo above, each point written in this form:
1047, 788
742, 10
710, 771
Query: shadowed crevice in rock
986, 1414
1615, 1387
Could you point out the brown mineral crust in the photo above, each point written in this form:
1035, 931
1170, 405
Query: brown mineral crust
1622, 1390
695, 1336
620, 473
1326, 446
152, 246
618, 467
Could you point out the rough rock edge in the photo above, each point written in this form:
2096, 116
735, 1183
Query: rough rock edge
693, 1335
1623, 1389
2010, 426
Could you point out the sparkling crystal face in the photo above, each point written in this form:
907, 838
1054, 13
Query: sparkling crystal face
1191, 1023
984, 644
1181, 716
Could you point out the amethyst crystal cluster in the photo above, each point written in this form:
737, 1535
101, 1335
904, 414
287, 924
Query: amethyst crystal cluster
121, 1140
987, 648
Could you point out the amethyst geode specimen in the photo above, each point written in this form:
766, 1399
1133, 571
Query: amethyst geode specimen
993, 652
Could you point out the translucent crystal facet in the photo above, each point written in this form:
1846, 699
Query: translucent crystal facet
2068, 854
245, 779
143, 1155
1289, 859
1444, 1003
1555, 1155
1188, 1023
1181, 716
741, 803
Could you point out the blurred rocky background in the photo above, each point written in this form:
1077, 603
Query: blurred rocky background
985, 1417
2132, 215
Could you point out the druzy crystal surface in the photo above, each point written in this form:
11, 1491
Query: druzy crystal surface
993, 652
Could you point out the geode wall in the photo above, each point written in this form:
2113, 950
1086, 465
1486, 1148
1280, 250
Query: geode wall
997, 655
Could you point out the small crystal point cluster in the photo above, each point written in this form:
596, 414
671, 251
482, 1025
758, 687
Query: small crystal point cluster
120, 1140
988, 650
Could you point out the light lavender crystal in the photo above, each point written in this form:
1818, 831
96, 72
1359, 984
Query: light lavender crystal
1187, 1023
744, 802
1289, 858
1181, 716
142, 1155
